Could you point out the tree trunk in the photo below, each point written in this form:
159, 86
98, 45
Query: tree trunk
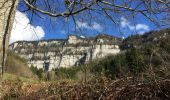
7, 13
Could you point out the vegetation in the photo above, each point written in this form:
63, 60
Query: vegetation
165, 44
18, 66
141, 72
12, 77
97, 88
147, 53
66, 73
135, 61
146, 59
38, 72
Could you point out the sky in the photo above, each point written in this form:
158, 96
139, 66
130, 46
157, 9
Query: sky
32, 27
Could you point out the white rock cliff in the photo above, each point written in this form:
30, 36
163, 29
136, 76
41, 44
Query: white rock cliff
66, 53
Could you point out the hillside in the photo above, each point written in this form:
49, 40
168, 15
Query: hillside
144, 57
152, 38
141, 70
155, 45
18, 66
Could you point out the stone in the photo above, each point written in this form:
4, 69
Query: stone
72, 53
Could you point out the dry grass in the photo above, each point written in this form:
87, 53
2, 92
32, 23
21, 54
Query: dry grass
18, 66
96, 89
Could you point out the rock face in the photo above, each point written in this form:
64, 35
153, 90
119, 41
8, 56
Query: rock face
69, 52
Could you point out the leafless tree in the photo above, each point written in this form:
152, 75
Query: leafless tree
156, 11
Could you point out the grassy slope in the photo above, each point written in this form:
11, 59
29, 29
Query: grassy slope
13, 77
18, 66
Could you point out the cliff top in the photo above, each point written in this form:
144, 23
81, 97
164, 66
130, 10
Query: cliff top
80, 38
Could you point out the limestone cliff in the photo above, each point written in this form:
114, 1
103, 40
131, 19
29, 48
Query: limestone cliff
69, 52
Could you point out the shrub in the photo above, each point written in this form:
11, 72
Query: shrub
165, 44
135, 61
38, 72
69, 73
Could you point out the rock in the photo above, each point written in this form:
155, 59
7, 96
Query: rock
73, 51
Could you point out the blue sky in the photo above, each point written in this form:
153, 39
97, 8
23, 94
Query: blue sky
51, 28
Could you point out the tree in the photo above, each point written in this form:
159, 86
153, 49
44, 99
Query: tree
157, 11
135, 61
7, 12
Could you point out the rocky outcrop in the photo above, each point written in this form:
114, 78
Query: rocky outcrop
73, 51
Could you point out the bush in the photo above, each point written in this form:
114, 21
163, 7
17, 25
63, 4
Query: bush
38, 72
165, 44
69, 73
135, 61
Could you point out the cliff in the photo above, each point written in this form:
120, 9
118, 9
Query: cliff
73, 51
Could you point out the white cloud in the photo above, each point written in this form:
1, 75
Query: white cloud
140, 28
141, 32
82, 25
97, 26
23, 30
124, 22
94, 26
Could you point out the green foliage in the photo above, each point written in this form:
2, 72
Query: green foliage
69, 73
135, 61
12, 77
112, 66
117, 66
38, 72
165, 44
